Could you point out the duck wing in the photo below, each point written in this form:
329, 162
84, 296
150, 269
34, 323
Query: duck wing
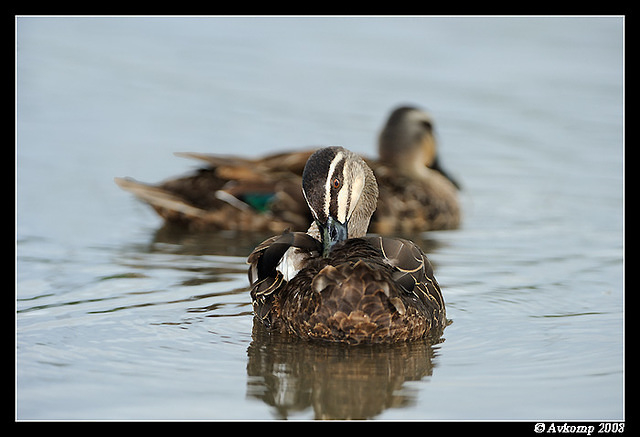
236, 167
412, 269
265, 279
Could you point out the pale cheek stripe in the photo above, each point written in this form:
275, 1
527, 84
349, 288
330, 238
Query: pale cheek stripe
354, 193
344, 198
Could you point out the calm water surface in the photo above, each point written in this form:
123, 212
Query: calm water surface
119, 319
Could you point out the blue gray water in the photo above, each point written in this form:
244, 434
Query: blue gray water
116, 320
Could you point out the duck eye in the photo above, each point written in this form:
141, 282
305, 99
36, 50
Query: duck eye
336, 183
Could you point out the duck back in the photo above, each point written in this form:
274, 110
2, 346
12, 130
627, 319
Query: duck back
356, 295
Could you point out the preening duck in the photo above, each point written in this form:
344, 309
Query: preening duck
265, 194
334, 283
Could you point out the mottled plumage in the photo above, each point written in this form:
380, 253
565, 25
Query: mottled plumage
344, 286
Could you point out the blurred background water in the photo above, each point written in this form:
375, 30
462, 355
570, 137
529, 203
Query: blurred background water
116, 319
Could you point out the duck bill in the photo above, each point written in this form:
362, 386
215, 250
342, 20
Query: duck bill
332, 232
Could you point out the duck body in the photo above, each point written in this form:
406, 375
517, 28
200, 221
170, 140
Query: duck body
265, 194
355, 296
333, 282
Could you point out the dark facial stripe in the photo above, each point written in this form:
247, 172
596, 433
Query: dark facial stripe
314, 177
334, 192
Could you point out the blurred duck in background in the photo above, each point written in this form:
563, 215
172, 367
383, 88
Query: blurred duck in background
265, 194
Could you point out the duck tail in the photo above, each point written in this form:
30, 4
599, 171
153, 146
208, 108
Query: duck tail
158, 198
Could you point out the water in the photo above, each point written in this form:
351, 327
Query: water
117, 320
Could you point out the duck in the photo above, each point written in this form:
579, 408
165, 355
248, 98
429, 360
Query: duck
334, 282
265, 193
416, 193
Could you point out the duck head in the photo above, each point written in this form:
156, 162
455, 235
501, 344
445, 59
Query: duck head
341, 192
407, 142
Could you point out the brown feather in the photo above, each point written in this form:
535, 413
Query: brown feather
352, 296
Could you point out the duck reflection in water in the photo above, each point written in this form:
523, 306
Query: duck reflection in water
337, 381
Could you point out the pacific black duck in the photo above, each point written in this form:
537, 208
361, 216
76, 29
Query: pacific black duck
334, 283
265, 194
